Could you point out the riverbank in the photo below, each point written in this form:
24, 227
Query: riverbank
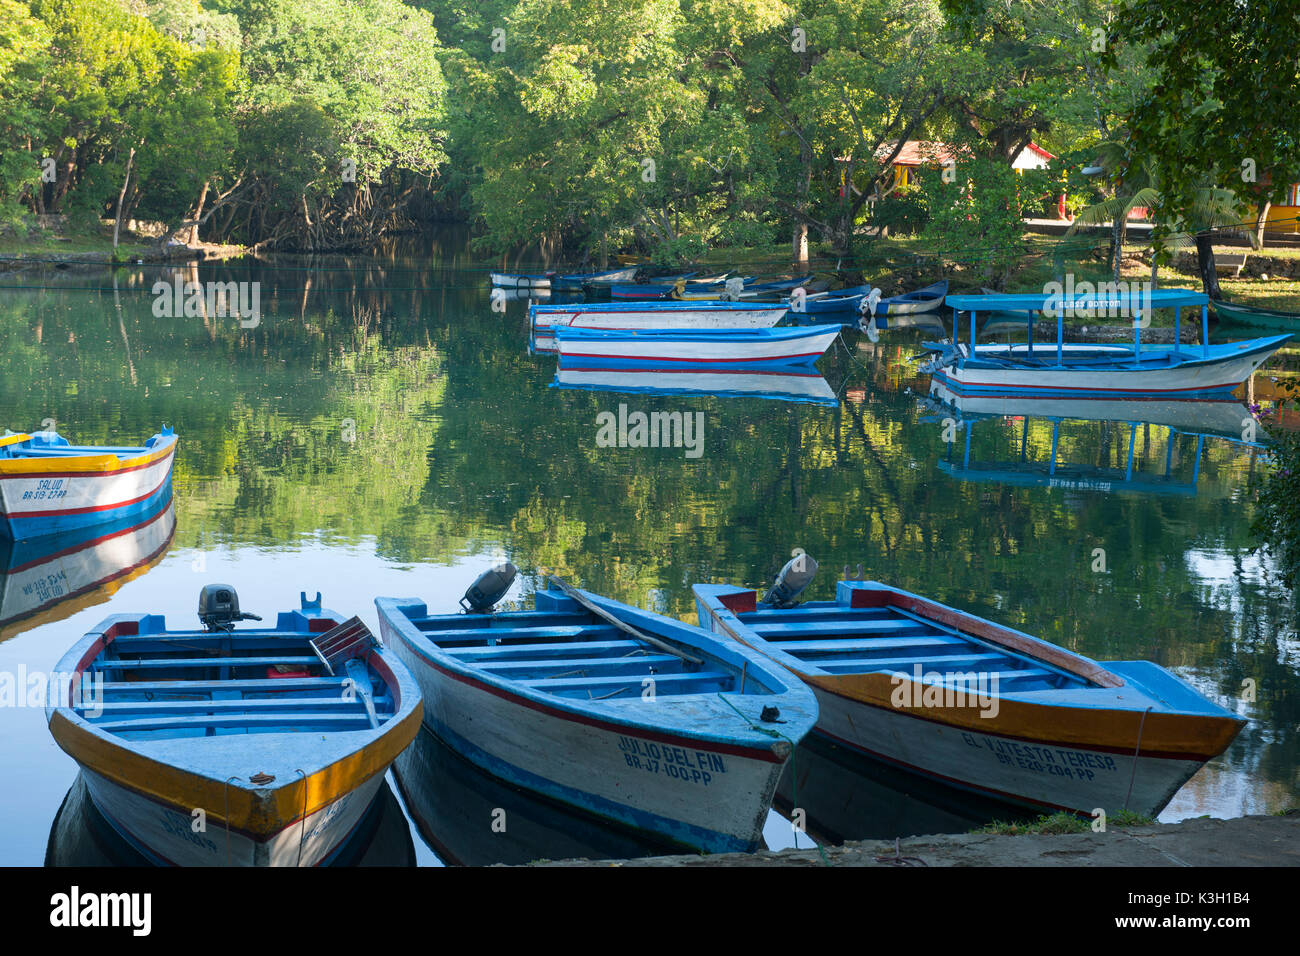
1202, 842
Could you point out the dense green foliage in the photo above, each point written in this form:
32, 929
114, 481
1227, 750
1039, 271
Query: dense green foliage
593, 126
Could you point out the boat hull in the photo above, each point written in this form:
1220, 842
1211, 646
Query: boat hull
1039, 775
792, 385
1217, 376
76, 493
692, 792
581, 316
163, 833
739, 350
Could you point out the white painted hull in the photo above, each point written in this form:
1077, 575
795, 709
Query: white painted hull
53, 500
505, 280
709, 799
165, 834
30, 587
584, 317
778, 350
1044, 777
1187, 380
809, 387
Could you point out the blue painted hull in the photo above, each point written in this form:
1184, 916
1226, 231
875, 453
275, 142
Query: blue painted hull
21, 529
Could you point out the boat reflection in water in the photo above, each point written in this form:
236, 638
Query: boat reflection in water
1227, 421
795, 384
470, 818
38, 575
845, 796
81, 836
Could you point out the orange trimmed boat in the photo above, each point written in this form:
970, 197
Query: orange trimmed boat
976, 705
256, 747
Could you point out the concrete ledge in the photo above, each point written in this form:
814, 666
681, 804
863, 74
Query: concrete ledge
1244, 841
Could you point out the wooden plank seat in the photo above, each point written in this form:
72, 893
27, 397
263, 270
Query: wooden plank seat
145, 663
877, 647
563, 665
516, 619
792, 631
574, 633
267, 723
598, 684
261, 685
300, 704
848, 665
525, 651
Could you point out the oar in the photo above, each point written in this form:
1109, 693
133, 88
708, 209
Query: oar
625, 628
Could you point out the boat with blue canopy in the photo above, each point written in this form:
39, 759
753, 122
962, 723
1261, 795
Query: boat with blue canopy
1082, 370
280, 736
937, 691
634, 717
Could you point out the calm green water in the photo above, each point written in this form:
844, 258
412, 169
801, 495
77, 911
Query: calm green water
384, 431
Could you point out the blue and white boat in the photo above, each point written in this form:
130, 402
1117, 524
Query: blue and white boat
738, 349
545, 319
926, 299
519, 280
49, 486
225, 747
940, 692
574, 281
637, 718
795, 384
1079, 370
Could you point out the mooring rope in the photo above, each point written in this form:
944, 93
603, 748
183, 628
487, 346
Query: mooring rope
794, 771
1136, 750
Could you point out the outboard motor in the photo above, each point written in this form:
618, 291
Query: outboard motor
735, 287
489, 588
219, 608
790, 583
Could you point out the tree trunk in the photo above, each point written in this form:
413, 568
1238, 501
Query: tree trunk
1205, 262
800, 243
117, 223
198, 214
1260, 222
1116, 244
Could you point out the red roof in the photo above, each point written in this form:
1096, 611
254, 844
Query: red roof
921, 152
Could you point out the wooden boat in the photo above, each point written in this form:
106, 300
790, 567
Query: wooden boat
49, 486
668, 286
740, 349
840, 302
927, 299
448, 798
81, 837
515, 280
1235, 313
797, 384
1094, 371
940, 692
574, 282
544, 319
634, 717
58, 575
281, 736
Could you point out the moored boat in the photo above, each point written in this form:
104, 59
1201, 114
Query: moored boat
738, 349
82, 567
660, 315
1236, 313
574, 282
48, 486
943, 693
275, 739
517, 280
1078, 370
619, 712
926, 299
796, 384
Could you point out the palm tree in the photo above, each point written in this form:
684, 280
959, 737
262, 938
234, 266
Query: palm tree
1137, 183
